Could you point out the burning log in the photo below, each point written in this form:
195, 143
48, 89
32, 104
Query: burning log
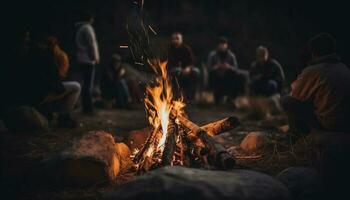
138, 138
170, 144
144, 148
217, 154
221, 126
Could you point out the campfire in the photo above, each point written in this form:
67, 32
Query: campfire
174, 139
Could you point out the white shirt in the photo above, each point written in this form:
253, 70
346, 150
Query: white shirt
86, 43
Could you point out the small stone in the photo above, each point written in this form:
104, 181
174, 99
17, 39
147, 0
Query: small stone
254, 141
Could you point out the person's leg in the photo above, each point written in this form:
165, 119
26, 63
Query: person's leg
88, 72
216, 85
271, 87
300, 115
123, 98
191, 85
64, 103
176, 80
234, 83
135, 92
255, 88
264, 88
67, 103
70, 96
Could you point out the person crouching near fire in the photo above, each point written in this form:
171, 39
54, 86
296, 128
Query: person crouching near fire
225, 77
61, 96
266, 74
181, 66
319, 105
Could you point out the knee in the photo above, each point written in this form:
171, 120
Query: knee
76, 88
195, 72
73, 87
272, 85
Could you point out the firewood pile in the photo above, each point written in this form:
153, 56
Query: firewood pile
187, 144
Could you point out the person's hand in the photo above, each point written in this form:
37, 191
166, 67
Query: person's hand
225, 65
97, 61
186, 71
121, 72
222, 66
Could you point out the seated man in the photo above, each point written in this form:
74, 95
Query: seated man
114, 84
181, 65
320, 96
266, 74
224, 76
320, 101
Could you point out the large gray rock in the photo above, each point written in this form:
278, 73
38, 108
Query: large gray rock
195, 184
24, 118
303, 183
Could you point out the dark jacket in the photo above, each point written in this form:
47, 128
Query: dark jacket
271, 70
216, 57
34, 76
180, 57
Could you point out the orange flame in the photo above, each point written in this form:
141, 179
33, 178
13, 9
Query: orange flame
159, 102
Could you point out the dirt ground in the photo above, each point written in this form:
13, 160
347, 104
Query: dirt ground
22, 151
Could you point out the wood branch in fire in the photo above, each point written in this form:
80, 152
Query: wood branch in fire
221, 126
138, 157
170, 144
217, 154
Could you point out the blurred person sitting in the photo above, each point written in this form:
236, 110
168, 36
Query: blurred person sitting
224, 76
87, 58
40, 85
61, 96
181, 65
114, 85
319, 105
266, 74
320, 95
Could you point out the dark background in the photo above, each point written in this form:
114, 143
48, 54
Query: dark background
284, 26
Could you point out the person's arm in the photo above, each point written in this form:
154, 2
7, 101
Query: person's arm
306, 85
172, 62
279, 73
62, 62
92, 42
188, 60
233, 60
211, 60
254, 75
